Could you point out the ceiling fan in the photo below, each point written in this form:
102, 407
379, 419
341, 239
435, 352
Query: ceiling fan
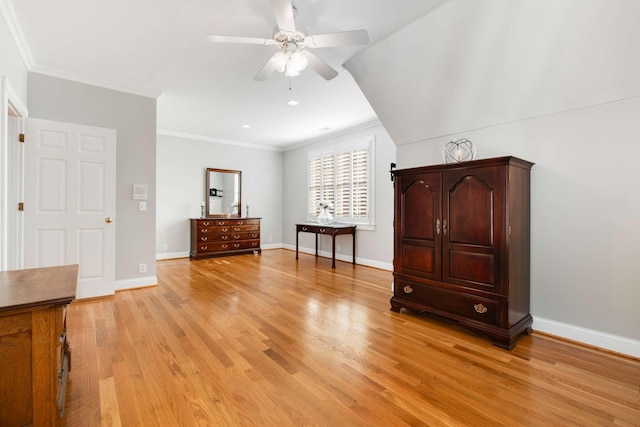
292, 56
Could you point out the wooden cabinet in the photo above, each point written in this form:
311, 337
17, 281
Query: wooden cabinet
461, 244
34, 352
224, 236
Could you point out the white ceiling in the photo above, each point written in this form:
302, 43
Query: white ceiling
158, 47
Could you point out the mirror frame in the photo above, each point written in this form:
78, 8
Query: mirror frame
208, 186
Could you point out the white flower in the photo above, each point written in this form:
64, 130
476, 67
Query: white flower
324, 204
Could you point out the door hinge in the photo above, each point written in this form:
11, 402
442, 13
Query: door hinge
509, 230
21, 137
21, 206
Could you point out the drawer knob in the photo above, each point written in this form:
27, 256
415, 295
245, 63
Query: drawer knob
480, 308
407, 289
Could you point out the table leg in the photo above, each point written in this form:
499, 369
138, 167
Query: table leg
333, 251
354, 245
297, 235
316, 244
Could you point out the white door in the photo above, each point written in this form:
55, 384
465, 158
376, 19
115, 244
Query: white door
70, 201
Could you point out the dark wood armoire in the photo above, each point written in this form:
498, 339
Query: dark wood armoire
461, 244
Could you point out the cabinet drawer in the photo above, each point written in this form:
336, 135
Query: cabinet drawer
461, 304
222, 229
227, 246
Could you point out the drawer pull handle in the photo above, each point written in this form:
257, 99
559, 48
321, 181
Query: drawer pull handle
444, 227
225, 246
220, 222
204, 238
236, 236
438, 226
322, 230
480, 308
236, 229
203, 248
225, 229
304, 228
225, 237
254, 235
204, 230
240, 222
254, 243
236, 245
407, 289
206, 224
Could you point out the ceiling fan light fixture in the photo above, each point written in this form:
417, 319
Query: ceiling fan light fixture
297, 62
279, 60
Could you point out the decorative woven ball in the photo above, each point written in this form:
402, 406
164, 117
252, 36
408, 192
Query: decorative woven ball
459, 150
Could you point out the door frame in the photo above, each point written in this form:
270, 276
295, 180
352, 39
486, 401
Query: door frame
11, 177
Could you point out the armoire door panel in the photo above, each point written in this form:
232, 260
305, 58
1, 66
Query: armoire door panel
477, 269
422, 259
421, 195
471, 212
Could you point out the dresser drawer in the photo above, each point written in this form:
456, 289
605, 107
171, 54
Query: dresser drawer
458, 303
227, 246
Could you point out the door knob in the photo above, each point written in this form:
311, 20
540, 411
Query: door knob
108, 220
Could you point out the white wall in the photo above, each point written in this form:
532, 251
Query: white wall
553, 82
134, 118
12, 65
181, 165
374, 248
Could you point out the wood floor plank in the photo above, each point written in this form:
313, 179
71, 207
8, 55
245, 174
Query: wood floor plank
265, 340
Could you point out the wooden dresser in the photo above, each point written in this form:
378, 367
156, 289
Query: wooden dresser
34, 352
224, 236
461, 244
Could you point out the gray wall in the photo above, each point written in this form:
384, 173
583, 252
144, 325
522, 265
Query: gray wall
181, 164
373, 247
134, 118
555, 83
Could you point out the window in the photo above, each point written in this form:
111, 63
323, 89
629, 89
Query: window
342, 175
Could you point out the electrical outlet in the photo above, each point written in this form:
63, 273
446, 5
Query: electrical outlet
165, 247
142, 268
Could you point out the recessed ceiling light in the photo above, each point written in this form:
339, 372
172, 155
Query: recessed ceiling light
246, 126
292, 102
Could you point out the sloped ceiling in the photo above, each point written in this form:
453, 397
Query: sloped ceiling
472, 64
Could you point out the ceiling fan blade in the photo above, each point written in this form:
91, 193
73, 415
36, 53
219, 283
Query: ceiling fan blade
236, 39
265, 72
283, 10
319, 66
344, 38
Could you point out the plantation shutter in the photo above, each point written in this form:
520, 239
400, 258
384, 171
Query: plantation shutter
341, 176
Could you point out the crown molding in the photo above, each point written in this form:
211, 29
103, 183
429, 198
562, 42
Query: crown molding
9, 13
333, 135
217, 140
79, 78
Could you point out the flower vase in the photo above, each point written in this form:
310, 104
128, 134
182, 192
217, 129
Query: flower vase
325, 217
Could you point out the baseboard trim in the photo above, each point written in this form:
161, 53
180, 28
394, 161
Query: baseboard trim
614, 343
139, 282
172, 255
342, 257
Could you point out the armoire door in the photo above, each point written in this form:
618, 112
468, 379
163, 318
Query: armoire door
418, 209
473, 226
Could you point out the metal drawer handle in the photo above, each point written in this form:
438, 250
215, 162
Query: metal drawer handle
204, 230
438, 226
236, 236
203, 248
236, 229
444, 227
407, 289
225, 229
225, 246
206, 224
236, 245
322, 230
240, 222
204, 238
220, 222
254, 243
480, 308
225, 237
254, 234
304, 228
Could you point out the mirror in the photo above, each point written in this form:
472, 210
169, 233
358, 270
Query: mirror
222, 193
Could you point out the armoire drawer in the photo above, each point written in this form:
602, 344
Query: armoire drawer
469, 306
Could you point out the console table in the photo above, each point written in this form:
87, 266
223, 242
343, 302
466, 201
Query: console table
332, 230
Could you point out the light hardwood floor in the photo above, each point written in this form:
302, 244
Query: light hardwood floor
266, 340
